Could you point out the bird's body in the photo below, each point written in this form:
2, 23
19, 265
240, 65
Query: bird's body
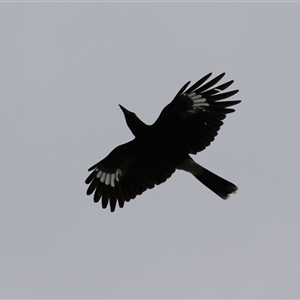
185, 126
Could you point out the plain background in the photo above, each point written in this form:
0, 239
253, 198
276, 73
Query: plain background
65, 67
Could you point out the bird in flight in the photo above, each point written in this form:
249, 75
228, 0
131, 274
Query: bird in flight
187, 125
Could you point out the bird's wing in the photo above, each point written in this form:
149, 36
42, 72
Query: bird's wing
126, 172
196, 114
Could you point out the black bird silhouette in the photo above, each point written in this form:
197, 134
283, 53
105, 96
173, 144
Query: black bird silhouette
185, 126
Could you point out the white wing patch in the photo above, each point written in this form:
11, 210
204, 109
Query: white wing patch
199, 103
109, 178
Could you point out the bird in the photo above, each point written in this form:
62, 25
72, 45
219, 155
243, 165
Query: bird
186, 126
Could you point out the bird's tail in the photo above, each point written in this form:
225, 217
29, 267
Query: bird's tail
215, 183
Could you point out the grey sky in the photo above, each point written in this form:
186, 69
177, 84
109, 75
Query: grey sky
65, 68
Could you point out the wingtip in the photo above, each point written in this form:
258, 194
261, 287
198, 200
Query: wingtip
221, 75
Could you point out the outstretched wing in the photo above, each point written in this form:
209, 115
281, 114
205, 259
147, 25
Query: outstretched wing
126, 172
197, 113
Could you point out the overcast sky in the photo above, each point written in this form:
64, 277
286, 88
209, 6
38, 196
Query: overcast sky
65, 67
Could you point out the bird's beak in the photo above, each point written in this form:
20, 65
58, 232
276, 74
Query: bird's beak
125, 111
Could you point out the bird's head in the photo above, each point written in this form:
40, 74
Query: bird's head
134, 123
